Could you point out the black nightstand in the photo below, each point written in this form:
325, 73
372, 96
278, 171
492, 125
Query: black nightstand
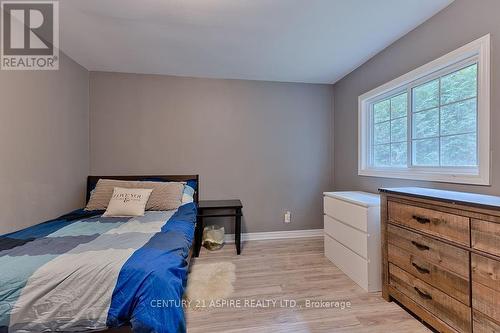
204, 206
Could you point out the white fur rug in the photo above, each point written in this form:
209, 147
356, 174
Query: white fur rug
208, 282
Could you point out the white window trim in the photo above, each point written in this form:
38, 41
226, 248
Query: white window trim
479, 48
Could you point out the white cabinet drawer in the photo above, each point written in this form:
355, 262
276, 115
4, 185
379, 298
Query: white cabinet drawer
347, 261
353, 215
351, 238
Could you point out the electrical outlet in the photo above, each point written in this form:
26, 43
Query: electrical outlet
288, 217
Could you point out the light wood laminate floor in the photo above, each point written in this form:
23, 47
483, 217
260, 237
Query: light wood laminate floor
295, 269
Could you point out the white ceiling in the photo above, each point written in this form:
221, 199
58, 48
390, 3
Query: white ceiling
316, 41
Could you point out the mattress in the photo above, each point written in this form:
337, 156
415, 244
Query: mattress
86, 272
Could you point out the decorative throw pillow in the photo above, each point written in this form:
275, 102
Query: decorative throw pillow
165, 195
128, 202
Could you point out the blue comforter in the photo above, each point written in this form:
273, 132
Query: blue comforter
87, 272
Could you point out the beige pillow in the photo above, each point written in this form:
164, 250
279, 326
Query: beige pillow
127, 202
165, 195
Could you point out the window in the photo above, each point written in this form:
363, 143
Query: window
390, 127
432, 123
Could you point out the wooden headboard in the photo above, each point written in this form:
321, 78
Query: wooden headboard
92, 181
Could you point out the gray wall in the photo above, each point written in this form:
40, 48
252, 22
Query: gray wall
44, 143
268, 144
460, 23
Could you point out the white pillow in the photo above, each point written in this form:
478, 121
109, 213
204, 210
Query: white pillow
187, 194
128, 202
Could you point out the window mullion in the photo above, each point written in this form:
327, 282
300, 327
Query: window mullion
409, 122
390, 131
439, 122
372, 136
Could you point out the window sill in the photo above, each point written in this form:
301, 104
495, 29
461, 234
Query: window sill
456, 177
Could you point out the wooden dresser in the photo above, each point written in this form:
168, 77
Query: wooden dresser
441, 257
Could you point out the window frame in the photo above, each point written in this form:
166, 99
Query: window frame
478, 52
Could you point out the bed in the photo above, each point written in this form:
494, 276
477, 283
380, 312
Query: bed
85, 272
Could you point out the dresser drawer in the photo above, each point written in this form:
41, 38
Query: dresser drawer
451, 258
450, 283
445, 307
486, 286
484, 324
486, 236
452, 227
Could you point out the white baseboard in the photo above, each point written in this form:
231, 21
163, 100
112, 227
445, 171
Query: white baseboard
229, 238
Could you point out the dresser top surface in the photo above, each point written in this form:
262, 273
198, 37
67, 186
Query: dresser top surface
364, 199
481, 200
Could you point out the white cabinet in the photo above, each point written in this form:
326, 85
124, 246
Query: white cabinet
352, 236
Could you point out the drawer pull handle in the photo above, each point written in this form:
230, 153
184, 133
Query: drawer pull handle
422, 294
420, 269
419, 246
421, 219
